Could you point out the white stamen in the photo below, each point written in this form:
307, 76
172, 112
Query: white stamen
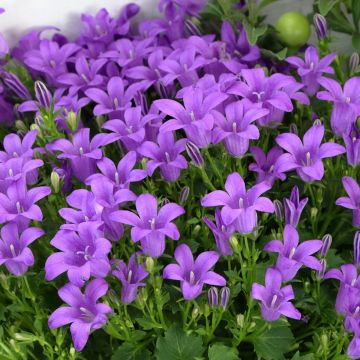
308, 159
241, 203
131, 53
152, 223
259, 95
84, 77
12, 250
223, 228
86, 218
157, 72
11, 172
19, 207
271, 169
116, 103
353, 281
192, 115
292, 252
129, 129
354, 139
234, 127
312, 65
167, 156
185, 66
347, 99
129, 275
15, 154
53, 63
117, 179
357, 310
81, 150
192, 277
273, 301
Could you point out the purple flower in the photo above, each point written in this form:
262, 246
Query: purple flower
84, 313
352, 144
82, 254
221, 232
193, 274
312, 68
14, 251
239, 205
293, 207
353, 349
266, 166
122, 175
275, 301
236, 128
353, 200
194, 117
82, 153
151, 226
346, 103
131, 277
165, 154
293, 256
306, 156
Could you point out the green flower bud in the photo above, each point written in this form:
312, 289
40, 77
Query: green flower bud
240, 320
72, 121
234, 243
55, 182
149, 264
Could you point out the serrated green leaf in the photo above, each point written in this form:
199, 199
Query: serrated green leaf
326, 5
128, 351
222, 352
273, 343
176, 345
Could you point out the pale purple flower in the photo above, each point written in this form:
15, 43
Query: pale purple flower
353, 200
267, 166
84, 313
311, 69
151, 226
235, 129
239, 206
346, 103
306, 156
221, 232
165, 154
293, 207
193, 274
275, 300
195, 117
131, 277
82, 254
14, 251
122, 175
352, 144
292, 255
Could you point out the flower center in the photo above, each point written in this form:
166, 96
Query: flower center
130, 129
84, 77
11, 172
308, 159
347, 99
223, 228
273, 301
85, 253
259, 95
53, 63
312, 65
129, 276
353, 281
167, 156
241, 203
131, 53
192, 277
86, 218
117, 180
357, 310
157, 72
86, 314
152, 223
292, 252
19, 207
12, 250
192, 115
234, 127
81, 150
116, 103
271, 169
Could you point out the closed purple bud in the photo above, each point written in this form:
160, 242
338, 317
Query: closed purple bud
293, 129
320, 273
317, 122
224, 296
320, 26
194, 154
279, 209
39, 121
43, 94
141, 100
184, 194
354, 62
213, 296
13, 83
357, 249
191, 28
164, 201
327, 240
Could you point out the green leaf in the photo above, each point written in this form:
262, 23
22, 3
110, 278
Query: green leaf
356, 41
356, 12
254, 33
265, 3
176, 345
326, 5
297, 356
128, 351
222, 352
273, 343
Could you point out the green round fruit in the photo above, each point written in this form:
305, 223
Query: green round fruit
294, 28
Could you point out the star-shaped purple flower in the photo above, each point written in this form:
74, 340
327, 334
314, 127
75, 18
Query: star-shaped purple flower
293, 207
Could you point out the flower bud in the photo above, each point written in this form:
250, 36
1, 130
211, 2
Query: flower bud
20, 125
354, 62
317, 122
196, 230
224, 296
320, 26
279, 210
327, 240
320, 274
213, 296
240, 320
43, 94
313, 213
194, 154
149, 264
184, 194
192, 28
324, 342
55, 181
164, 201
293, 129
195, 313
39, 121
357, 249
234, 242
35, 127
72, 121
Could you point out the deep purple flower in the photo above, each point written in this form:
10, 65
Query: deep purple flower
353, 200
293, 207
306, 156
312, 68
194, 117
221, 232
320, 26
82, 152
165, 154
267, 166
14, 251
293, 256
84, 313
151, 226
353, 350
193, 274
346, 103
131, 277
236, 128
82, 254
275, 301
352, 144
213, 296
239, 205
122, 175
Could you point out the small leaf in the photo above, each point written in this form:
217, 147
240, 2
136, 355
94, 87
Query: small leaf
176, 345
128, 351
297, 356
326, 5
222, 352
356, 12
254, 33
273, 343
